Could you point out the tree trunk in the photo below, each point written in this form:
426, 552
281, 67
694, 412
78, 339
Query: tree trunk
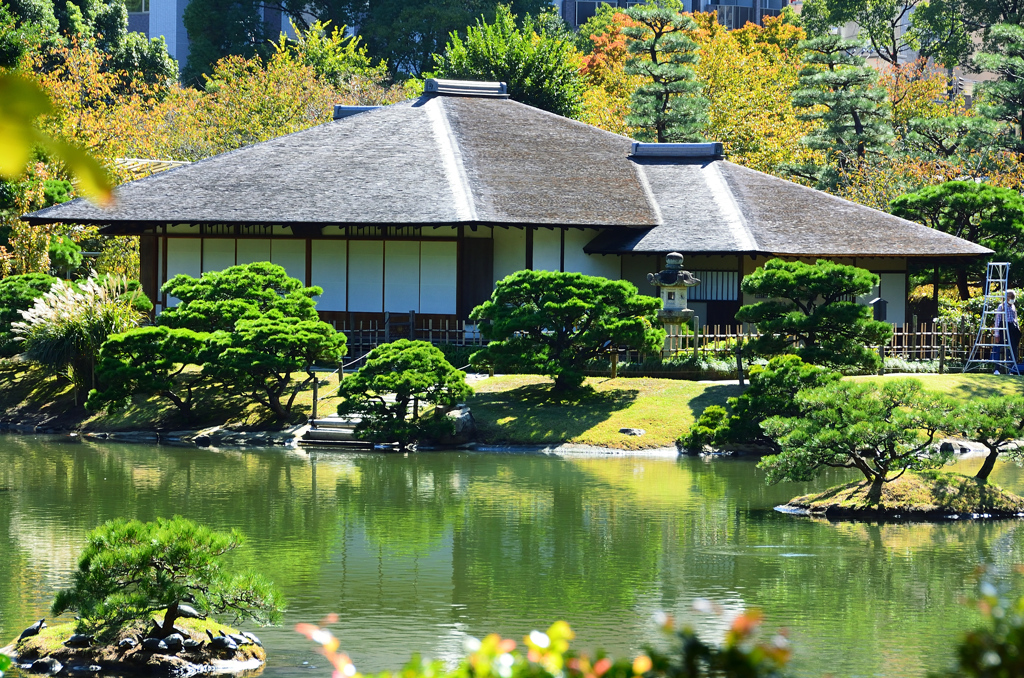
961, 283
986, 468
167, 628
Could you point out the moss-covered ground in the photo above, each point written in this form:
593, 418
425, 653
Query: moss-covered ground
928, 495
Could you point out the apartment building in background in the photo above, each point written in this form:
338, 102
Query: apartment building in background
731, 14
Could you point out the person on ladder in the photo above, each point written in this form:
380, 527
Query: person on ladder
1009, 309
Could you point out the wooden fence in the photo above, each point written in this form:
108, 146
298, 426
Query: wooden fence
924, 341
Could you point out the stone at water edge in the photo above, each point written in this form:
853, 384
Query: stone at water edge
632, 431
46, 665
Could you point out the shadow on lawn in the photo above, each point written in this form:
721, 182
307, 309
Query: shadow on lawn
714, 395
534, 414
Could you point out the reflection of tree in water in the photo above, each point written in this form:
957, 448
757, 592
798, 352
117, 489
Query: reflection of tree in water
62, 490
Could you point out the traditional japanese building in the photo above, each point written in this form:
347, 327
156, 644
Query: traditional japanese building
424, 204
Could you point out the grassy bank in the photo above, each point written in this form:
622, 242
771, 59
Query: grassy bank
924, 495
521, 409
29, 396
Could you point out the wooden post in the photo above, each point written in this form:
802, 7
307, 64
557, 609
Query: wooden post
942, 347
316, 397
615, 365
412, 325
881, 364
696, 335
914, 353
739, 362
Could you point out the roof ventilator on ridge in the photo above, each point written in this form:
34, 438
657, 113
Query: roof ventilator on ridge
705, 150
466, 88
343, 111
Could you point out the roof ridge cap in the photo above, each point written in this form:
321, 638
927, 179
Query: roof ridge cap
451, 160
731, 212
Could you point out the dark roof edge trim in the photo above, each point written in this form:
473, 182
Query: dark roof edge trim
140, 227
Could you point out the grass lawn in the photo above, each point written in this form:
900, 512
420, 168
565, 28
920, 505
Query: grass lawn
520, 409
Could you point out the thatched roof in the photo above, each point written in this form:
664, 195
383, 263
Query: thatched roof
446, 160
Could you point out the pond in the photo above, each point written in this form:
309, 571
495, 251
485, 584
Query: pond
416, 552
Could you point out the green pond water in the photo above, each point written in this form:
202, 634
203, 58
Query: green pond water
416, 552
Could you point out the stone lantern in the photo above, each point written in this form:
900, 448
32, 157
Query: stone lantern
673, 282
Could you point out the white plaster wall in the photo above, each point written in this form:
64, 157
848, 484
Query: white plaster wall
329, 272
438, 277
577, 261
401, 276
894, 291
253, 249
366, 276
182, 257
291, 255
218, 254
509, 251
547, 249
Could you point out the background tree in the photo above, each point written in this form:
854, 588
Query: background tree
667, 107
748, 77
772, 393
806, 307
220, 28
18, 293
407, 33
131, 569
150, 361
609, 88
1002, 100
553, 323
539, 68
984, 214
839, 93
880, 430
384, 393
259, 356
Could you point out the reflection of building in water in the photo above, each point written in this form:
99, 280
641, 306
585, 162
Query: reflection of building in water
731, 13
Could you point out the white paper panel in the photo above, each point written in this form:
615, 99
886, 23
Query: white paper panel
218, 254
547, 249
401, 276
291, 254
894, 291
509, 251
366, 275
438, 277
253, 249
182, 257
578, 261
329, 273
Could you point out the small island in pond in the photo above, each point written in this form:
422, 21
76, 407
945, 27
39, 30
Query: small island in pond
928, 495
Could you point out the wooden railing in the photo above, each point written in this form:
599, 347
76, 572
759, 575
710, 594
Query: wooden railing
925, 341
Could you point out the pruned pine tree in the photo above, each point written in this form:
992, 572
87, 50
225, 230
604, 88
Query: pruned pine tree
667, 107
839, 93
1002, 100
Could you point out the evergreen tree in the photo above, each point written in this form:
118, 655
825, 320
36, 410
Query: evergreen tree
839, 92
667, 107
1002, 100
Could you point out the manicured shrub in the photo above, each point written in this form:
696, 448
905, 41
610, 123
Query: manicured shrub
808, 312
554, 323
18, 293
403, 393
